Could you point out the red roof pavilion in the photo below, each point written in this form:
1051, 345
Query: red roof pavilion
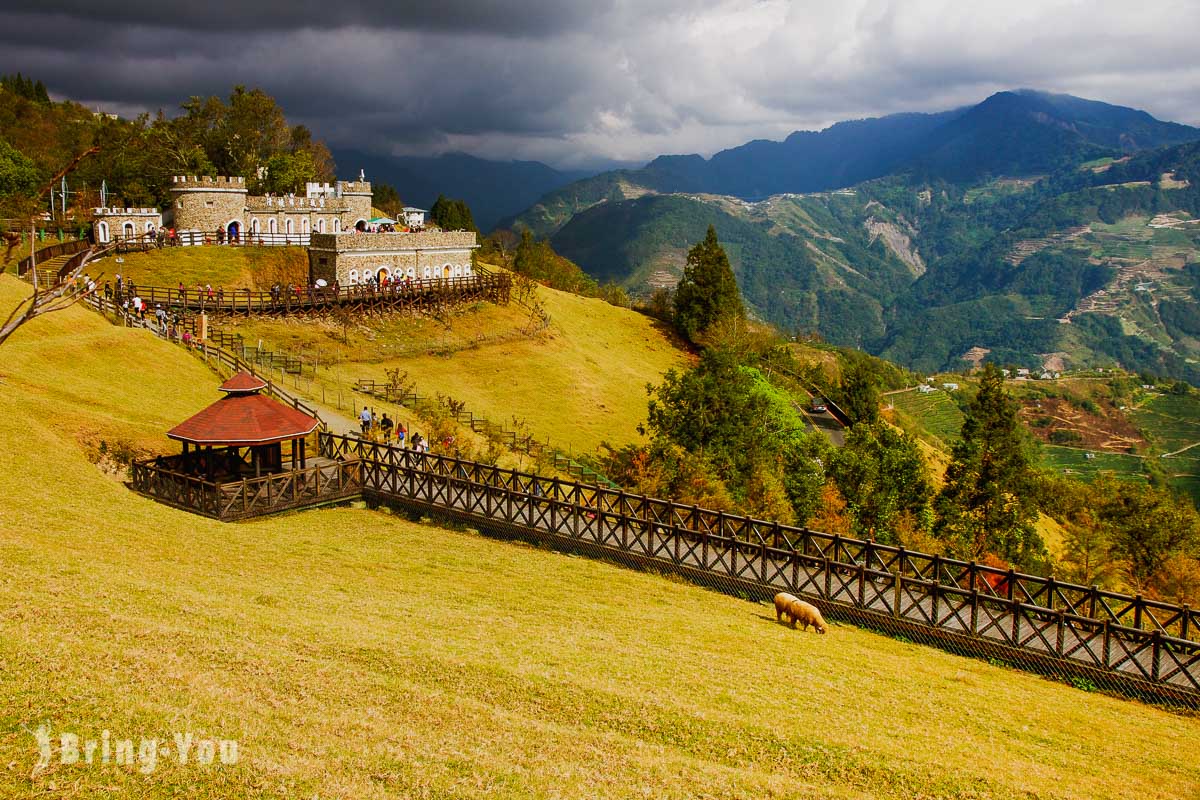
244, 418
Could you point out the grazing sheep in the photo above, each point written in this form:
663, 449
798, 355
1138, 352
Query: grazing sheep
807, 614
783, 602
798, 611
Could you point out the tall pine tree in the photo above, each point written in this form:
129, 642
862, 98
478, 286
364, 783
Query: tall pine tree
707, 291
987, 504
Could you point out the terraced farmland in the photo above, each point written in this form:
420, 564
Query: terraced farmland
1172, 425
935, 413
1075, 462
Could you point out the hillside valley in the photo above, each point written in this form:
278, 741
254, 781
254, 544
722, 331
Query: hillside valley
1082, 249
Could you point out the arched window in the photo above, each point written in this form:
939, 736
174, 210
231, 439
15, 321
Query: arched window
304, 225
337, 226
272, 226
466, 269
288, 227
320, 226
102, 232
127, 230
149, 226
254, 225
428, 273
412, 272
353, 278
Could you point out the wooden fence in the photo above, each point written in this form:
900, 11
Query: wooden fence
52, 251
517, 442
1144, 646
417, 295
163, 480
221, 360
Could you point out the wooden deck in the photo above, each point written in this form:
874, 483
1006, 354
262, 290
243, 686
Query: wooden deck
239, 496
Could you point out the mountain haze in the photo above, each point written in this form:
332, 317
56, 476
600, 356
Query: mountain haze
493, 189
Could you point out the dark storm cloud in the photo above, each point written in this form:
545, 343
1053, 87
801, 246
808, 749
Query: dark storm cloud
573, 82
528, 18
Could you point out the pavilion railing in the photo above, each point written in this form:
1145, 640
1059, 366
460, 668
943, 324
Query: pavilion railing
162, 478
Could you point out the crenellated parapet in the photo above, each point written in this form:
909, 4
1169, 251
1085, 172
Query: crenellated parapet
114, 211
355, 187
207, 183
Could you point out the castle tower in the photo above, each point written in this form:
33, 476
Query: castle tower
203, 203
356, 200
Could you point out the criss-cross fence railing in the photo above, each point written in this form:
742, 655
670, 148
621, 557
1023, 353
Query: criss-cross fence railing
481, 285
1083, 634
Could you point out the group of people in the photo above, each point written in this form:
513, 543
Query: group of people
390, 432
233, 236
163, 236
205, 293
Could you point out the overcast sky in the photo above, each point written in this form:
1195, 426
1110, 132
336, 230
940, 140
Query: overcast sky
581, 82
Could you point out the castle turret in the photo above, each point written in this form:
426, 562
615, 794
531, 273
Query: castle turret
203, 203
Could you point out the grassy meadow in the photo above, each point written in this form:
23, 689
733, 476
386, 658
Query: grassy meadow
351, 653
228, 267
579, 382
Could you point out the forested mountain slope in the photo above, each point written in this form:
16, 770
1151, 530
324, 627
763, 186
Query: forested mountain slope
1100, 260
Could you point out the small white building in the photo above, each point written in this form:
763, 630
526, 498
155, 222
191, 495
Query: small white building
924, 388
125, 223
950, 387
413, 217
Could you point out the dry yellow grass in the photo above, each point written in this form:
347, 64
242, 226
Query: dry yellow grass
354, 654
580, 382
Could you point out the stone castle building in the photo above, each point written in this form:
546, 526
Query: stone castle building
325, 218
200, 205
353, 258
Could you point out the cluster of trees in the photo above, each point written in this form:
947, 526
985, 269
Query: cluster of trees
27, 88
1128, 536
536, 259
387, 199
726, 434
246, 135
452, 215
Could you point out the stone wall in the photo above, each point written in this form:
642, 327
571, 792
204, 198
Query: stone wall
348, 258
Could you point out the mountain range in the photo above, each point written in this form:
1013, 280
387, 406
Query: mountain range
493, 189
1033, 227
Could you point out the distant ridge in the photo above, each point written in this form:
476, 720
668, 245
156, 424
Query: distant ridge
493, 189
1017, 133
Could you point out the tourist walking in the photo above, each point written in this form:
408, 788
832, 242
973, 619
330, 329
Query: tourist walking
364, 420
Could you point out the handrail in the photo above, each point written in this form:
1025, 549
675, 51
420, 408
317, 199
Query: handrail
248, 301
1086, 601
49, 252
1150, 648
207, 351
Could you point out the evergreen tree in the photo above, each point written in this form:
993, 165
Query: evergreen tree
452, 215
387, 199
988, 503
707, 291
860, 393
882, 476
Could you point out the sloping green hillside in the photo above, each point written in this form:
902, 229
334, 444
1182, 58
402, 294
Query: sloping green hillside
352, 654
